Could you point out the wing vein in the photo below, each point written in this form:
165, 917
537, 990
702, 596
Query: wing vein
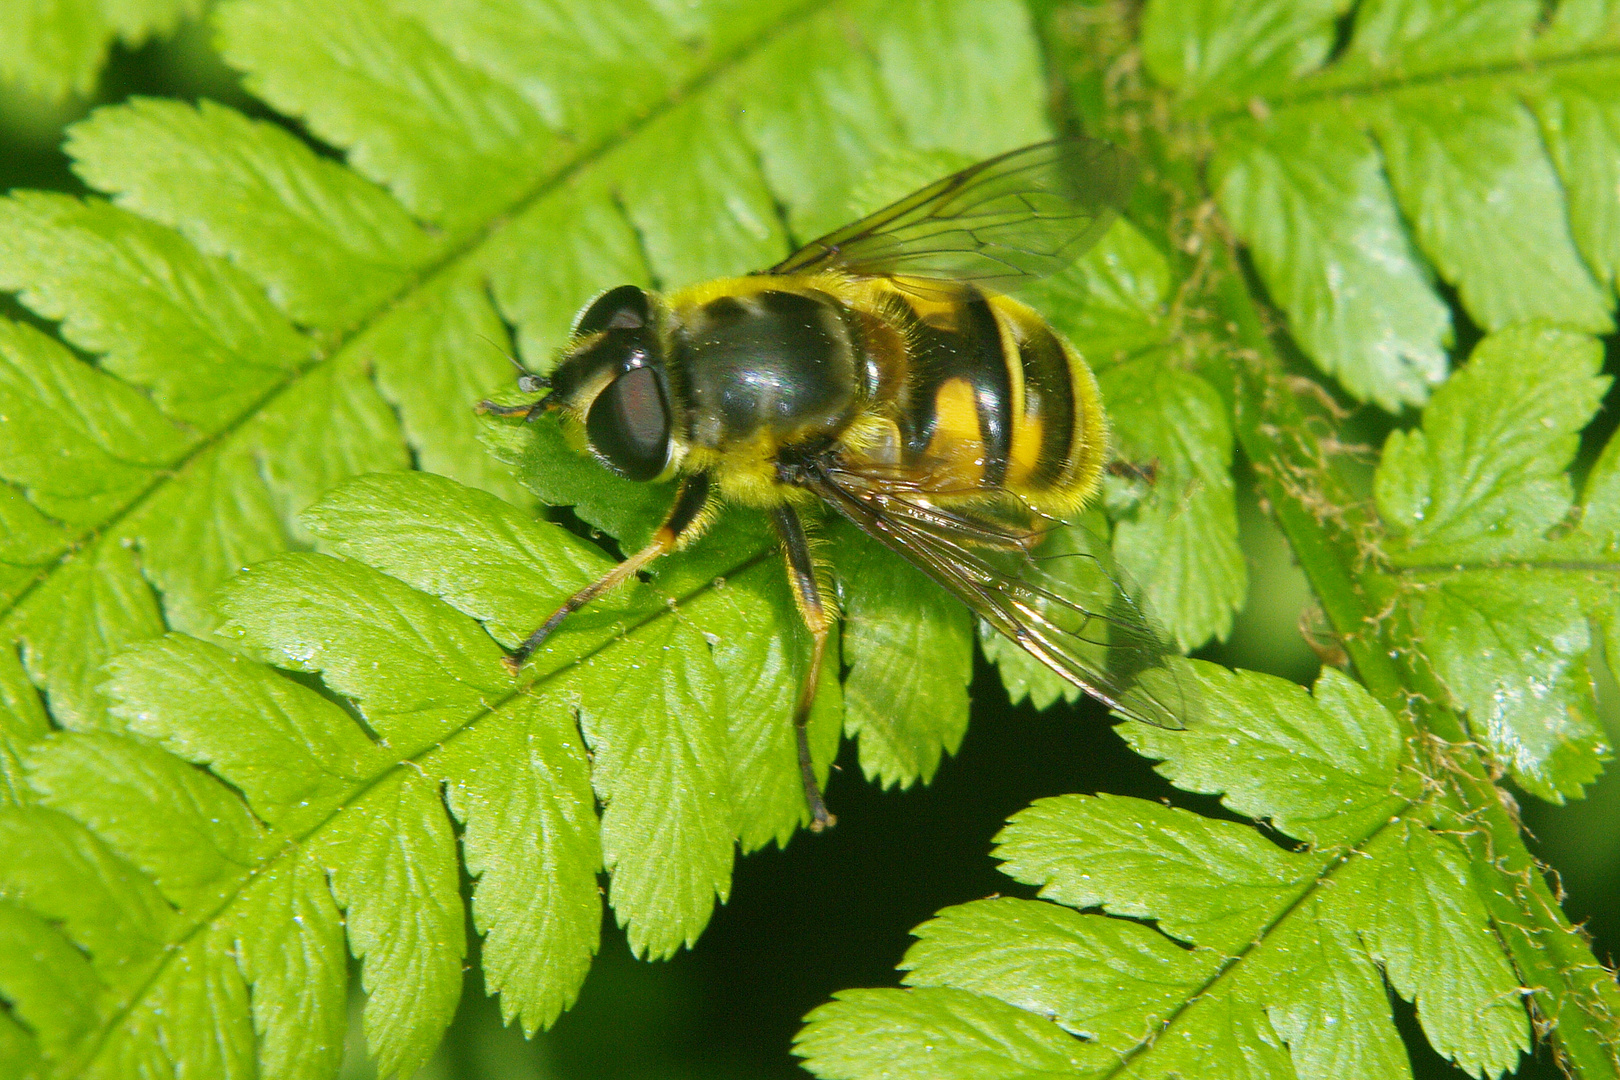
1001, 223
1068, 608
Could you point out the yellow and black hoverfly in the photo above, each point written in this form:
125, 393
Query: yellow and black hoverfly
882, 371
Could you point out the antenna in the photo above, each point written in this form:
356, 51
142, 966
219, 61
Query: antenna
528, 381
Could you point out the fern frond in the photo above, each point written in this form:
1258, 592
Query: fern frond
216, 785
1498, 566
1180, 945
1255, 959
1467, 142
55, 49
262, 324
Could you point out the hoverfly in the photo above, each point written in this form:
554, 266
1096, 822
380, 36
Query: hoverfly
882, 371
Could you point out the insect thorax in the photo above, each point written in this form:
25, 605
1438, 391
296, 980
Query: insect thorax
761, 361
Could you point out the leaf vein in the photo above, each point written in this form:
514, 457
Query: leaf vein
297, 843
1308, 892
445, 265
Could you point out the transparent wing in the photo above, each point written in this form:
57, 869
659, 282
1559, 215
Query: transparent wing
1023, 215
1052, 588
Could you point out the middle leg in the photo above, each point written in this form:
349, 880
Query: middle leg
801, 571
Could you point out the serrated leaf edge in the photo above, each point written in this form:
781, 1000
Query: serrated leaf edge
420, 762
449, 262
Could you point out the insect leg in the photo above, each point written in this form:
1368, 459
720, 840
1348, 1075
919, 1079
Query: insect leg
528, 412
1141, 472
801, 572
686, 513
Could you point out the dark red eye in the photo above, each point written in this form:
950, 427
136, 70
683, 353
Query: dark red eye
628, 425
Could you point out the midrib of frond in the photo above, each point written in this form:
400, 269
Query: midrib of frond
455, 257
1550, 565
1233, 964
419, 760
1325, 87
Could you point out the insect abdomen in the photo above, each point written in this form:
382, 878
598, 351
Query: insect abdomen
994, 399
1061, 432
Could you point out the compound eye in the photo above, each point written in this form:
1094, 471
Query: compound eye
624, 308
628, 425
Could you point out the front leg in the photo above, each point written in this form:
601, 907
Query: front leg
686, 519
801, 571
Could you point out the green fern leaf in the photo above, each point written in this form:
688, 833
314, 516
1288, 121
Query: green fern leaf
310, 318
256, 325
54, 49
1499, 566
1181, 542
1465, 141
900, 632
1259, 961
252, 193
267, 322
22, 721
367, 816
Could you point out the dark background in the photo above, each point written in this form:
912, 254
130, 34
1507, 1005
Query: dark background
834, 911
